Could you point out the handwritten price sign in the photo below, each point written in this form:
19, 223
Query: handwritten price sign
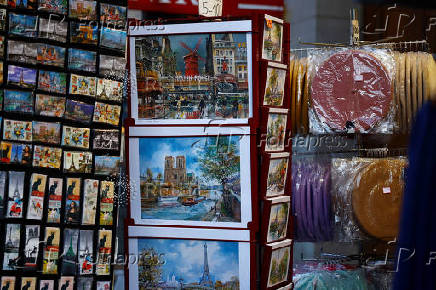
210, 8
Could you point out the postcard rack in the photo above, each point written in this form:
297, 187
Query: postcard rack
207, 119
61, 104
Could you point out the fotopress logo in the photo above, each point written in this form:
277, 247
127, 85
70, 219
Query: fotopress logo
321, 142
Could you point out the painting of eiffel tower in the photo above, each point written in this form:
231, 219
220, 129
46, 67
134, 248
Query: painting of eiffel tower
69, 261
187, 264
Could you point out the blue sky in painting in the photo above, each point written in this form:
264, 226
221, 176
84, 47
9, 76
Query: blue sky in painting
152, 152
191, 41
184, 258
14, 73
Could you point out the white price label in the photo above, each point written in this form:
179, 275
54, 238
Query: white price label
386, 190
210, 8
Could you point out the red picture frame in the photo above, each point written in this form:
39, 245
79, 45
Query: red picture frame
277, 251
272, 228
268, 160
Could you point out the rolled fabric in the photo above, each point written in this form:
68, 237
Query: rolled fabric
376, 197
352, 88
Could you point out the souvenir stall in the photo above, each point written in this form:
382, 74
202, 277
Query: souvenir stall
208, 152
352, 107
62, 70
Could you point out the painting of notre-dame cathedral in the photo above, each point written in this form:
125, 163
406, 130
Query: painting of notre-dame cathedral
175, 174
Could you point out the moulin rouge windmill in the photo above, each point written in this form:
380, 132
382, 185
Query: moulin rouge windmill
191, 59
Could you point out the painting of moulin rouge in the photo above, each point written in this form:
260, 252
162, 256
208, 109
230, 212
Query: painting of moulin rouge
184, 264
190, 178
196, 76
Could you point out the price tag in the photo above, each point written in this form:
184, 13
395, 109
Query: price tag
210, 8
386, 190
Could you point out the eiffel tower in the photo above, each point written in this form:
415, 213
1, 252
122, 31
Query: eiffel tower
16, 156
17, 192
205, 279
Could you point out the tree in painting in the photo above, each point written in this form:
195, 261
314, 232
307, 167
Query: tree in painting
151, 269
221, 163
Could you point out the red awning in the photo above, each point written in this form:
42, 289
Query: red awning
230, 7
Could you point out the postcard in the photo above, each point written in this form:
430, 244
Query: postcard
219, 83
1, 72
47, 157
79, 111
107, 165
51, 250
72, 208
50, 55
2, 19
83, 9
53, 82
31, 247
84, 33
77, 162
275, 85
107, 194
277, 173
198, 256
18, 101
279, 266
113, 39
15, 195
272, 38
104, 246
35, 206
16, 153
105, 113
46, 284
22, 4
81, 85
113, 15
21, 76
17, 130
109, 90
8, 282
176, 178
90, 193
22, 25
1, 99
53, 29
278, 221
66, 282
11, 256
276, 130
23, 52
3, 175
49, 106
112, 66
85, 283
2, 46
69, 256
82, 60
28, 283
106, 139
54, 6
103, 285
75, 137
54, 200
47, 132
86, 252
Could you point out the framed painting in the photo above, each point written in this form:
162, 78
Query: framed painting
198, 176
272, 42
275, 219
195, 258
275, 168
202, 72
275, 133
277, 265
275, 85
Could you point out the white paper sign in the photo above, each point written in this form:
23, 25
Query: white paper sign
210, 8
